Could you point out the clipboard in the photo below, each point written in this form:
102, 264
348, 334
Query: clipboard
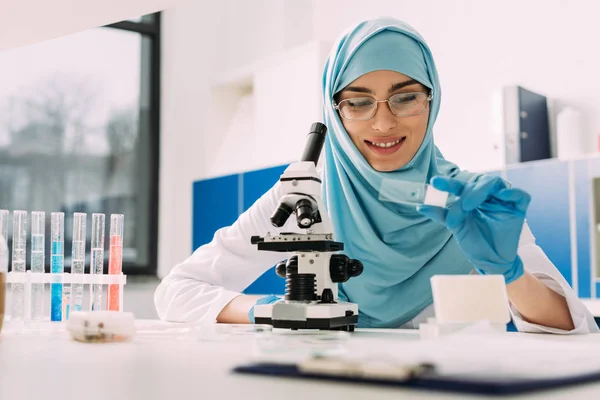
419, 376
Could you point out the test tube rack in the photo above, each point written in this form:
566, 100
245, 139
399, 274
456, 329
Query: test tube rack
29, 278
30, 294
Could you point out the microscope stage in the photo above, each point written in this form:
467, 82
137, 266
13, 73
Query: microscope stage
300, 315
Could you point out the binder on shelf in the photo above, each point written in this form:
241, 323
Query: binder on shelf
526, 125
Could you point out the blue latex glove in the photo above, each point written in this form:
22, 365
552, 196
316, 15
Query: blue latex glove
486, 221
263, 300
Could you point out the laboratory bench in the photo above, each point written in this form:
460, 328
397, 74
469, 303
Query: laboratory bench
593, 305
153, 365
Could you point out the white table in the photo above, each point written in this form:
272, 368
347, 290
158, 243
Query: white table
593, 305
53, 366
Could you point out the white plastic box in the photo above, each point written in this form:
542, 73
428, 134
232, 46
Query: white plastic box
460, 301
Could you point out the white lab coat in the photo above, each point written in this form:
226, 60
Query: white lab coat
197, 289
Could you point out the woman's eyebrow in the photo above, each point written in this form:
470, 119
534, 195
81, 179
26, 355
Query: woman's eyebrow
400, 85
394, 87
359, 89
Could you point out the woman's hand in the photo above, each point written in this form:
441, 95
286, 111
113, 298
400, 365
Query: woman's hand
486, 220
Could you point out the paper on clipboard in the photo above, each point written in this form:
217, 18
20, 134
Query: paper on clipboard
374, 367
478, 352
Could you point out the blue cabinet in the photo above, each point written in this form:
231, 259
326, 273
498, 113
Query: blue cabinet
548, 214
215, 204
586, 172
583, 184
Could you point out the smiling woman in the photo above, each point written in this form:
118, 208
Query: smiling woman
401, 246
388, 137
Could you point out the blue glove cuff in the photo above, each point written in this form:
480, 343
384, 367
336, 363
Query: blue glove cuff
263, 300
515, 272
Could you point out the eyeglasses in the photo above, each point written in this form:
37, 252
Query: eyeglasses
401, 105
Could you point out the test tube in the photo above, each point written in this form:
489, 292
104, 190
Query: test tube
115, 260
38, 228
3, 241
66, 301
57, 265
18, 262
97, 258
78, 257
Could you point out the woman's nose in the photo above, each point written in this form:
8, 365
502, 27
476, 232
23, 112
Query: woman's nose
383, 120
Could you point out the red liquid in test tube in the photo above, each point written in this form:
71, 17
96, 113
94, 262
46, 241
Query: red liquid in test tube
115, 260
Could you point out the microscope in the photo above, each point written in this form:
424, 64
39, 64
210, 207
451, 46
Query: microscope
316, 267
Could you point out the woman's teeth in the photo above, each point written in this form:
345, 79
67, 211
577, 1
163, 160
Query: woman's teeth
386, 144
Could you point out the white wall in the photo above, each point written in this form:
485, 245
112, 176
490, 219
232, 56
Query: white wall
269, 107
548, 46
205, 43
253, 30
545, 45
25, 22
188, 51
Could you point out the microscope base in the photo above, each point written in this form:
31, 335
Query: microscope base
314, 315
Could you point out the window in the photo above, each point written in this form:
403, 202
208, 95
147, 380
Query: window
79, 120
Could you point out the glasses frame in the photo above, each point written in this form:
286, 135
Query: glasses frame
336, 106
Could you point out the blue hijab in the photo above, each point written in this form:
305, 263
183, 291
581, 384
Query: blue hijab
399, 248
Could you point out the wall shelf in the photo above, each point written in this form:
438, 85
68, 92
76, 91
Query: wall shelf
269, 104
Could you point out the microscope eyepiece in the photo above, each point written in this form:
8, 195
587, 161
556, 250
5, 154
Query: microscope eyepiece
314, 145
318, 127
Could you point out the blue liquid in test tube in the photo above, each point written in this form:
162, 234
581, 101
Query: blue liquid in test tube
57, 264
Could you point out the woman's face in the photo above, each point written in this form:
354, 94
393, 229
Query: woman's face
387, 142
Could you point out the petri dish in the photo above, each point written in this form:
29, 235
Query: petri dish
293, 345
181, 331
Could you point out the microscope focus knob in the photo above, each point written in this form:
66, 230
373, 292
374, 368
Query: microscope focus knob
342, 268
355, 268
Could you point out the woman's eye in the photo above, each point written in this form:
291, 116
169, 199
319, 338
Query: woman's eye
359, 103
410, 98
